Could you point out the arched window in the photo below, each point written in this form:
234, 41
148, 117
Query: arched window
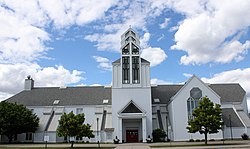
193, 101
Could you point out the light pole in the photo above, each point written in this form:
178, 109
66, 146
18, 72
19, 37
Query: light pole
167, 126
230, 124
97, 119
223, 132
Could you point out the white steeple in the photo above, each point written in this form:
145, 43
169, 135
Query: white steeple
130, 57
130, 70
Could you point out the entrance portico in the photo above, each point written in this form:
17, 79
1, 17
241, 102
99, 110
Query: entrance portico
135, 122
132, 123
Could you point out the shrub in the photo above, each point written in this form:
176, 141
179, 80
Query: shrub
211, 140
191, 140
197, 140
244, 136
159, 135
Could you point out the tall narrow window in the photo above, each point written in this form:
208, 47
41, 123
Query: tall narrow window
126, 35
125, 70
125, 50
135, 69
133, 33
192, 102
135, 49
28, 136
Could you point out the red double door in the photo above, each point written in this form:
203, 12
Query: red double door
132, 136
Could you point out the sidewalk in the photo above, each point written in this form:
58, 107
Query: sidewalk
133, 146
199, 145
243, 144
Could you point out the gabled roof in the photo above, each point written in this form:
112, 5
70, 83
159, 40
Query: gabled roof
143, 61
45, 96
229, 92
118, 61
189, 80
227, 114
131, 107
164, 92
68, 96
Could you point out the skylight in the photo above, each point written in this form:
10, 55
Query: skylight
56, 102
156, 100
105, 101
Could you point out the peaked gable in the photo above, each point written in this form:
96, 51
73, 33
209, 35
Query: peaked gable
131, 107
199, 83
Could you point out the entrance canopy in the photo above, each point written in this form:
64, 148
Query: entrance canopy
132, 110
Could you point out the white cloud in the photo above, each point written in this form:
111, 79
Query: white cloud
104, 63
144, 40
24, 38
187, 75
154, 55
158, 81
61, 13
161, 37
165, 23
12, 76
20, 41
4, 95
241, 76
207, 34
134, 13
23, 24
95, 85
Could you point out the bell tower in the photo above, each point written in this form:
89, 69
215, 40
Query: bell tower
130, 70
130, 59
131, 91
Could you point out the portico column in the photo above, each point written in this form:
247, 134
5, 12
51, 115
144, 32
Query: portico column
144, 130
120, 129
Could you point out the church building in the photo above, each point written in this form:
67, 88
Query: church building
132, 108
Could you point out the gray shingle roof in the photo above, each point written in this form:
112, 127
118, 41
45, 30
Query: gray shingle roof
235, 121
229, 92
95, 95
164, 92
117, 61
142, 61
67, 96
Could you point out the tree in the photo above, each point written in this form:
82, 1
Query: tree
207, 118
72, 125
16, 119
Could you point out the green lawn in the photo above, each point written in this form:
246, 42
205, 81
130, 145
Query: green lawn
190, 145
56, 148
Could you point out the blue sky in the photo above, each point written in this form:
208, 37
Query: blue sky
74, 43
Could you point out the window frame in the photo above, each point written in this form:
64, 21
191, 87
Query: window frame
125, 70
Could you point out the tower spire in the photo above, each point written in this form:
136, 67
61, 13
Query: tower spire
130, 57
